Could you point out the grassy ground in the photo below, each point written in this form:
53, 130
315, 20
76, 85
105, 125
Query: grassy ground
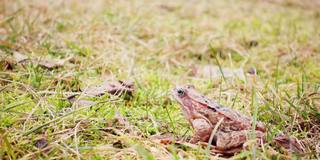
158, 44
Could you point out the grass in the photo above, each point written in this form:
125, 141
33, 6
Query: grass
157, 44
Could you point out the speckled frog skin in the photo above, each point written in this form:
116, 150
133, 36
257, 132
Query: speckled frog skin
203, 114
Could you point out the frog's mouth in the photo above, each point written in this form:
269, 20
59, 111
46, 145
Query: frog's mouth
174, 94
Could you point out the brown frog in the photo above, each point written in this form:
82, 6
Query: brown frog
203, 114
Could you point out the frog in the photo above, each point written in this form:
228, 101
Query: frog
204, 114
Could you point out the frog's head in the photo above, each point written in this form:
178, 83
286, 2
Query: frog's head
180, 92
184, 95
189, 98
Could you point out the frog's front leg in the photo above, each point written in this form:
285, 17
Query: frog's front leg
228, 140
202, 130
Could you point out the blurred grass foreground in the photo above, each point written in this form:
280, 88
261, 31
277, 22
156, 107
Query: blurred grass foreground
249, 55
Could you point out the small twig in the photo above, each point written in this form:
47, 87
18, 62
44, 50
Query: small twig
76, 140
30, 115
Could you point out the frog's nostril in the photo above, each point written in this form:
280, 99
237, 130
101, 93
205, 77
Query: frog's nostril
190, 86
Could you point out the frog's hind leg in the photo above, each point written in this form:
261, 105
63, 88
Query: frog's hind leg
202, 130
227, 140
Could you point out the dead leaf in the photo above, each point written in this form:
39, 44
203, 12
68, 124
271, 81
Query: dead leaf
163, 138
121, 87
49, 63
252, 71
210, 71
114, 88
85, 103
119, 144
43, 62
19, 57
80, 102
290, 144
41, 143
97, 90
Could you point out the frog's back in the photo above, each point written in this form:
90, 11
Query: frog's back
240, 119
233, 118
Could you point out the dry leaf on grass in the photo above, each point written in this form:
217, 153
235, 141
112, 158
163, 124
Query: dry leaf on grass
41, 143
19, 57
210, 71
114, 88
119, 144
163, 138
51, 63
85, 103
8, 64
80, 102
252, 71
43, 62
289, 143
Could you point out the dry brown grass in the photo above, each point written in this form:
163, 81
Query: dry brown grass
156, 44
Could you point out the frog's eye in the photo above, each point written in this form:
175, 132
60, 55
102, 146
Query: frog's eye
180, 92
